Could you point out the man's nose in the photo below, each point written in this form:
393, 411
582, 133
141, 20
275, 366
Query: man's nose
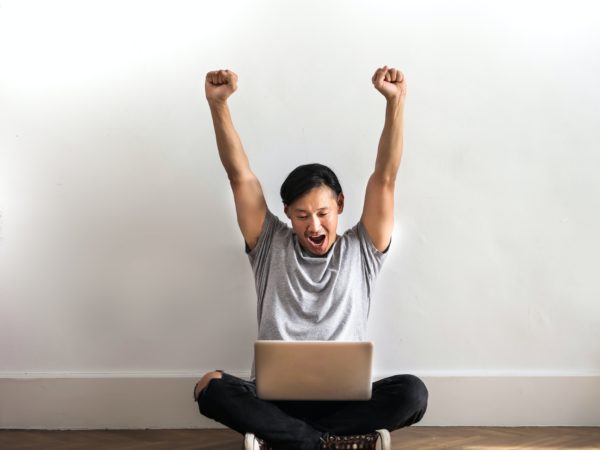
314, 224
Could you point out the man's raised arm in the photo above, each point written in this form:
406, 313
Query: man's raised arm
378, 210
250, 203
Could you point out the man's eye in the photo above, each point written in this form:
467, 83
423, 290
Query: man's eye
301, 217
323, 214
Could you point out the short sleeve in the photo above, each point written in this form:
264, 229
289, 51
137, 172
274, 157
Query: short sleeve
372, 258
259, 255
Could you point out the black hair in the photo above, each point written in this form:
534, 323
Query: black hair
306, 177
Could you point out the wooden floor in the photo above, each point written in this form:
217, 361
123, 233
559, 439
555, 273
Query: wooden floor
422, 438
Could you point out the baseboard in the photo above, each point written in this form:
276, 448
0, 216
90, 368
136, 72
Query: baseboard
137, 401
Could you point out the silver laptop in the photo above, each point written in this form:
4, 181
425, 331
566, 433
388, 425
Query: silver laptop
313, 370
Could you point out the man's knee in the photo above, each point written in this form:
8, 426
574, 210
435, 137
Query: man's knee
418, 395
409, 397
411, 390
420, 390
203, 382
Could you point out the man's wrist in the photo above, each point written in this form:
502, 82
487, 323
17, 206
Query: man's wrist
217, 103
395, 102
395, 107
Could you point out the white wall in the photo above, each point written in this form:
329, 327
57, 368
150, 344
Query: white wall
119, 247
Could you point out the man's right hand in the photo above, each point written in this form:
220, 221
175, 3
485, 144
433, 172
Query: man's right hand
220, 84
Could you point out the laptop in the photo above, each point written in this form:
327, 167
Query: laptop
313, 370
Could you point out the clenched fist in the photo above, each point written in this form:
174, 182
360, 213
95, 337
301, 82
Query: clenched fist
220, 84
390, 82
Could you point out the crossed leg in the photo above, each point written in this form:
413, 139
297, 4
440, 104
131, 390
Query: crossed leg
397, 401
203, 382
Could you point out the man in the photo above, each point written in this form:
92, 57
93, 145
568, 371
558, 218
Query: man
312, 283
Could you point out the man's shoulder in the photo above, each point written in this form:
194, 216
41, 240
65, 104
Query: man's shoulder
357, 235
273, 229
351, 234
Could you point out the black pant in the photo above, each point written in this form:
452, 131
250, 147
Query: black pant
397, 401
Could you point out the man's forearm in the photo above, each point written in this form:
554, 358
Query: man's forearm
389, 152
231, 152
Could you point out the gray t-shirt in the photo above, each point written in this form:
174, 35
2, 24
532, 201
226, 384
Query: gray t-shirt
305, 297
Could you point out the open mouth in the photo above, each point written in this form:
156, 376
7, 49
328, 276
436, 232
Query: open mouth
317, 240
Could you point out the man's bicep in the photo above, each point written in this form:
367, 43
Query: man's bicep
250, 207
378, 212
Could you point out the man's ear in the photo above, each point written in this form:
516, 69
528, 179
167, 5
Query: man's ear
340, 202
285, 210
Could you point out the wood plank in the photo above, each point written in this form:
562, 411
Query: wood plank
418, 437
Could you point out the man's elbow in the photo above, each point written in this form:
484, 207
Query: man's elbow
241, 177
384, 178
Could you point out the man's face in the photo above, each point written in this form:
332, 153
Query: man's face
314, 218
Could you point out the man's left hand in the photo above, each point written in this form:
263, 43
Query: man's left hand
390, 82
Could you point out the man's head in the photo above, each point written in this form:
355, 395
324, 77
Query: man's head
313, 199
